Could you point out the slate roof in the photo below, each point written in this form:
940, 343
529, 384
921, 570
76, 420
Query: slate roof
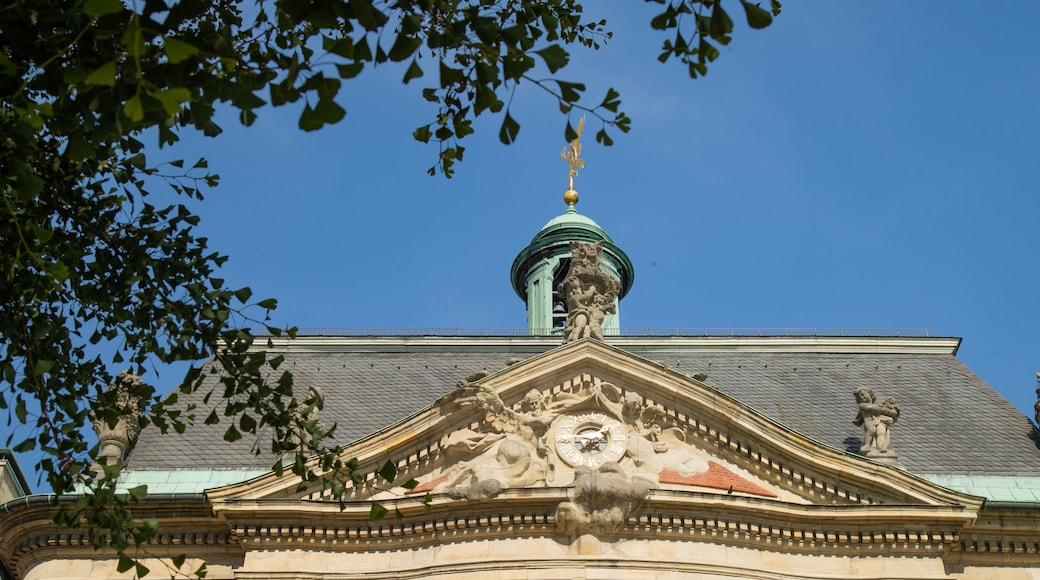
952, 423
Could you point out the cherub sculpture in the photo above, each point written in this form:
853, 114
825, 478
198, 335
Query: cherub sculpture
589, 293
877, 420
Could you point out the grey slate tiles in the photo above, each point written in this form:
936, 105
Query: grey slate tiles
951, 423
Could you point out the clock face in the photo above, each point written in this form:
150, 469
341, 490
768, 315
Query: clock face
589, 439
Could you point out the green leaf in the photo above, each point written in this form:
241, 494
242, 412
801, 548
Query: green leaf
29, 184
611, 101
243, 294
103, 75
571, 92
510, 128
247, 423
133, 39
367, 15
349, 71
178, 560
178, 50
410, 484
173, 98
757, 17
41, 367
44, 235
125, 563
97, 8
450, 76
268, 304
362, 50
414, 71
486, 98
721, 23
339, 46
555, 57
134, 108
25, 446
232, 435
388, 471
328, 112
138, 493
422, 134
404, 46
309, 120
59, 271
377, 512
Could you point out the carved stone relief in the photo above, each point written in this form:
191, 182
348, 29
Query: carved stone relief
506, 450
600, 501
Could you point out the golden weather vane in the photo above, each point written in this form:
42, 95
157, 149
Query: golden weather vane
572, 155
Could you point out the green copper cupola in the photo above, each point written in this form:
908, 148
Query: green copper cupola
539, 269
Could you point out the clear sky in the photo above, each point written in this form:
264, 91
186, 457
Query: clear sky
852, 166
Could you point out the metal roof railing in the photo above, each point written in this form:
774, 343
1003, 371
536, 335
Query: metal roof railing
688, 332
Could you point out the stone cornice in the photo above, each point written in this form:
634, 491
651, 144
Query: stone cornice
1002, 529
203, 529
664, 516
187, 524
635, 344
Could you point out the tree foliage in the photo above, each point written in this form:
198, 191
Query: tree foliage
100, 251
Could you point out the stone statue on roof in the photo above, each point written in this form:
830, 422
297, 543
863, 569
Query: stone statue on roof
589, 293
117, 432
1036, 406
877, 420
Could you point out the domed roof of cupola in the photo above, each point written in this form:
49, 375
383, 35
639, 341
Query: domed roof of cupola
554, 240
572, 226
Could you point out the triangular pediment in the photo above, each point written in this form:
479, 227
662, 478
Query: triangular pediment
548, 421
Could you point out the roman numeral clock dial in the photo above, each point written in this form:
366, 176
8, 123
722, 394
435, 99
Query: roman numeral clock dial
589, 439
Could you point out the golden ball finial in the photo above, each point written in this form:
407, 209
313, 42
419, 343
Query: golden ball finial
570, 197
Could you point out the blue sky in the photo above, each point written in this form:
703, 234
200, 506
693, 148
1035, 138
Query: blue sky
852, 166
845, 168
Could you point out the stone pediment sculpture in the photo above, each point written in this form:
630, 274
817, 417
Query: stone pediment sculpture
608, 446
547, 438
588, 292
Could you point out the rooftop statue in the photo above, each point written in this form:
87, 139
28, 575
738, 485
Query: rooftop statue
589, 293
877, 420
1036, 406
116, 434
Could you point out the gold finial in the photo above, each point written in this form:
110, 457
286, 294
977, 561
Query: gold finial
572, 155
